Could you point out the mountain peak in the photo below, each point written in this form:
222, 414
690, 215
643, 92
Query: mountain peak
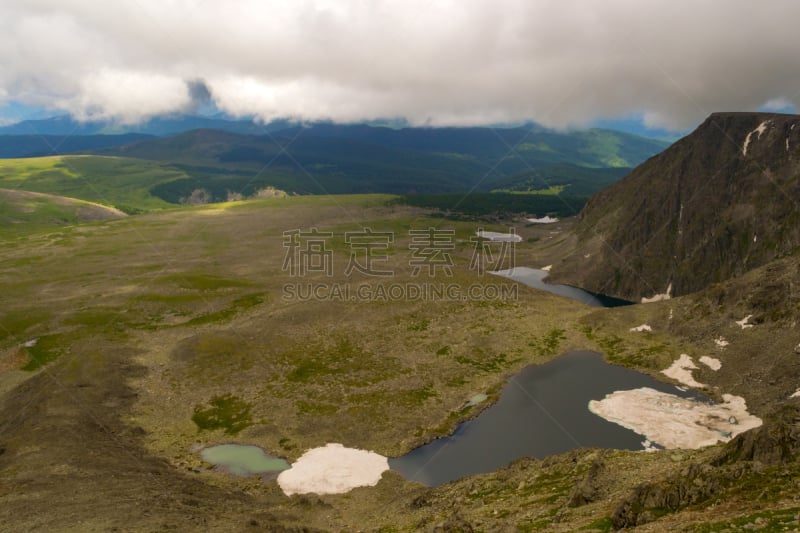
716, 204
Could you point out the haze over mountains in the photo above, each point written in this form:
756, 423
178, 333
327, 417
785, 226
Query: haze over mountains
228, 156
158, 126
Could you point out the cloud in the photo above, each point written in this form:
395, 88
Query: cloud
127, 96
432, 62
779, 105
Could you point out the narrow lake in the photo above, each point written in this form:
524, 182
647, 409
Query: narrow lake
535, 278
542, 411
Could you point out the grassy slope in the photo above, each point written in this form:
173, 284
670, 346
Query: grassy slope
142, 322
27, 211
114, 181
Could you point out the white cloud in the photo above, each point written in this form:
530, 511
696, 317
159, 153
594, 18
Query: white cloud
476, 61
128, 96
780, 104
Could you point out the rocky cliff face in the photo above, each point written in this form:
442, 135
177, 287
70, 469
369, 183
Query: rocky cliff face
719, 202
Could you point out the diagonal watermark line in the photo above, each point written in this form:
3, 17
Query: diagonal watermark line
697, 106
547, 413
47, 370
284, 149
558, 195
431, 459
170, 261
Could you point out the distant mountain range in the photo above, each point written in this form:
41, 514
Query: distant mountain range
226, 156
12, 146
359, 158
159, 126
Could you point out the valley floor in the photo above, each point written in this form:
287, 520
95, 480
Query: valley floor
159, 334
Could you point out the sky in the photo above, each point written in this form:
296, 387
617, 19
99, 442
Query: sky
564, 63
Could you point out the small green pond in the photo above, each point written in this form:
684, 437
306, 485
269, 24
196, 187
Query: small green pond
243, 460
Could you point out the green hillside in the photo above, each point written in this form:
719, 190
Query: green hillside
216, 166
361, 159
31, 210
566, 178
123, 183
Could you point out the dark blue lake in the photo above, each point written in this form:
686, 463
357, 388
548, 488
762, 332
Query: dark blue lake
535, 278
542, 411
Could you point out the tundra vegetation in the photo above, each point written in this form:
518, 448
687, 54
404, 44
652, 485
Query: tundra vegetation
162, 333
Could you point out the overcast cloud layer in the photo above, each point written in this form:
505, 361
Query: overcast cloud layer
437, 62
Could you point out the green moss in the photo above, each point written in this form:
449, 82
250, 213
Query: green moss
15, 323
238, 305
611, 345
456, 381
168, 299
228, 413
419, 325
343, 360
641, 357
315, 408
380, 399
100, 318
202, 282
588, 331
46, 350
418, 396
601, 524
486, 362
777, 520
286, 444
549, 343
544, 523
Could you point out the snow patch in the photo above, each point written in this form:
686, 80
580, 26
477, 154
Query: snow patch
681, 370
30, 343
333, 469
675, 422
476, 400
721, 342
744, 322
755, 238
547, 268
543, 220
760, 130
499, 237
643, 327
787, 144
711, 362
648, 446
796, 394
659, 297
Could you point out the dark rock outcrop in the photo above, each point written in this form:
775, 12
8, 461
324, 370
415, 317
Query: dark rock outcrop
776, 442
716, 204
587, 489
